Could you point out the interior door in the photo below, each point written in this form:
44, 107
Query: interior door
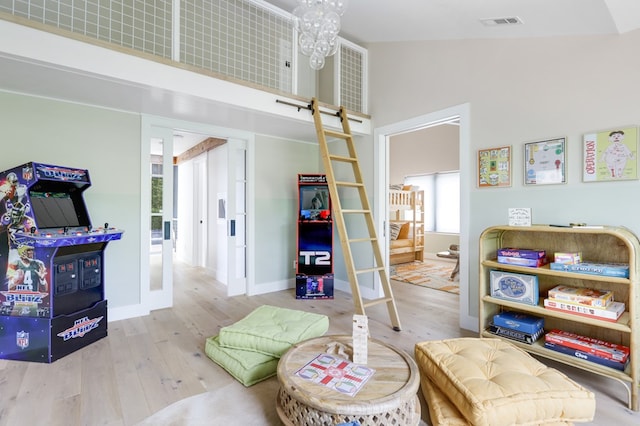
236, 215
160, 223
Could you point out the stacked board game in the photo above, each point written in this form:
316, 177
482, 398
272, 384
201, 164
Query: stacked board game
595, 350
587, 302
522, 257
517, 326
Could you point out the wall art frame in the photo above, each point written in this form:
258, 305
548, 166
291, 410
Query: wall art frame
494, 167
545, 162
610, 155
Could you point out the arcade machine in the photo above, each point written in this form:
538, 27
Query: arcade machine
314, 268
52, 298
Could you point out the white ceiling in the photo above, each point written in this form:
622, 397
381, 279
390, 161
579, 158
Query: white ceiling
368, 21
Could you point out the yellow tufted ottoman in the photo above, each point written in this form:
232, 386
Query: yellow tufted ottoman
473, 381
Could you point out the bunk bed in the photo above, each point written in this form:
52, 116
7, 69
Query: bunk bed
406, 225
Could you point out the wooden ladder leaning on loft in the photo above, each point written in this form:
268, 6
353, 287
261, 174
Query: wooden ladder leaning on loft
364, 212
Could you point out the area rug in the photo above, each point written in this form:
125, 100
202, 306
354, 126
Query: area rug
231, 404
434, 275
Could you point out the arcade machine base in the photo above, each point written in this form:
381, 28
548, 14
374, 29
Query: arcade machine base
314, 287
47, 340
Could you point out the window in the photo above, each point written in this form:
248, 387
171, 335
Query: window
441, 200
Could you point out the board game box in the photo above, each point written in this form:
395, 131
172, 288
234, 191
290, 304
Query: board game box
611, 313
587, 356
620, 270
589, 345
519, 336
519, 321
336, 373
521, 261
582, 295
567, 258
522, 253
521, 288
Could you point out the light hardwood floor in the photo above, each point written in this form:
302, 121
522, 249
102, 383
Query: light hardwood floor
146, 364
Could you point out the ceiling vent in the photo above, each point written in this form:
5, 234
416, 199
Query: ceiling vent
492, 22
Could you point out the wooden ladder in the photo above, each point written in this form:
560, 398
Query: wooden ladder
365, 212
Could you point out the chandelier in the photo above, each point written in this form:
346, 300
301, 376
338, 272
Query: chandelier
318, 25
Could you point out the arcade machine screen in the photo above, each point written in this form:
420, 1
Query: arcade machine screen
58, 209
314, 203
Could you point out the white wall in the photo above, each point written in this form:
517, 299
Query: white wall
278, 162
435, 149
519, 91
105, 142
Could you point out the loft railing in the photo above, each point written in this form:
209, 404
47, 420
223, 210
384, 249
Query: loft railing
247, 40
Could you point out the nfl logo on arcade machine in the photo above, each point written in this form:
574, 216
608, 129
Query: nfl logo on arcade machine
22, 340
314, 266
52, 299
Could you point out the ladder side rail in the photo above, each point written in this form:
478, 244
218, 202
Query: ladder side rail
365, 210
336, 207
380, 263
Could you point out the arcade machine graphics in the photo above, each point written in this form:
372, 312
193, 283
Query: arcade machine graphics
314, 267
52, 299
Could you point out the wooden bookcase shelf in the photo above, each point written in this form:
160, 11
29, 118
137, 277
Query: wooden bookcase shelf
606, 245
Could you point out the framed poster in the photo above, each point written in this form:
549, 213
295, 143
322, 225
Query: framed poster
544, 162
610, 155
494, 167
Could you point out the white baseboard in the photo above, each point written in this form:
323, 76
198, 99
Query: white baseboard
126, 312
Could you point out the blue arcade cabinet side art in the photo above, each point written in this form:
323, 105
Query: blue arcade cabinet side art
52, 298
314, 270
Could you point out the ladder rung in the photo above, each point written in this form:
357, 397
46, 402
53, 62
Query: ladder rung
362, 271
343, 158
362, 240
377, 301
356, 211
336, 134
351, 184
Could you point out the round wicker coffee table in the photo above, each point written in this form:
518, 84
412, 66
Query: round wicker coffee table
389, 396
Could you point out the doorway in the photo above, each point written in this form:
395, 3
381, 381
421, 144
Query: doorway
192, 222
382, 137
428, 159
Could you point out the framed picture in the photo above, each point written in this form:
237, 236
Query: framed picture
545, 162
610, 155
494, 167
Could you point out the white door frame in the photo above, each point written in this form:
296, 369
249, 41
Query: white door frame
148, 122
236, 217
200, 211
381, 187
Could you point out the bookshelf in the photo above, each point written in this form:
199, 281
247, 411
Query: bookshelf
608, 244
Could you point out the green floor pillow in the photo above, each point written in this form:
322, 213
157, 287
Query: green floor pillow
271, 330
247, 367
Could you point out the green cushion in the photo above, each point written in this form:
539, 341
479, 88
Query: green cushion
247, 367
272, 330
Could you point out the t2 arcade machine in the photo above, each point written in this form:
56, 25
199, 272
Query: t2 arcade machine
52, 298
314, 269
